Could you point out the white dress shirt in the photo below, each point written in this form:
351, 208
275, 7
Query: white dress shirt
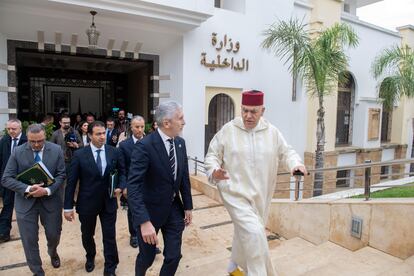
167, 144
101, 154
17, 142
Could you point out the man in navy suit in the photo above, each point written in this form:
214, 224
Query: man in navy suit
158, 176
111, 132
14, 138
93, 166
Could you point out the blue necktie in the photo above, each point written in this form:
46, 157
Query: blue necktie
14, 143
171, 157
37, 158
99, 161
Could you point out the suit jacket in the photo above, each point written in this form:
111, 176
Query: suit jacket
151, 185
5, 150
93, 195
110, 141
126, 148
21, 159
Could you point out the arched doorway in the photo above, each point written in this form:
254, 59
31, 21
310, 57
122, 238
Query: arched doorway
220, 111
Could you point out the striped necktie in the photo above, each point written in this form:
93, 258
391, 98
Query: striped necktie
171, 156
14, 143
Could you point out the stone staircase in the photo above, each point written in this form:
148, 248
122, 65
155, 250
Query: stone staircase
206, 251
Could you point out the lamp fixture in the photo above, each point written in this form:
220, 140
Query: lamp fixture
93, 33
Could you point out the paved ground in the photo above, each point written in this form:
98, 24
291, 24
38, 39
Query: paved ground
206, 241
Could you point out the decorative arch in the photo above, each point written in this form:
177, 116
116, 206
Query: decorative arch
221, 110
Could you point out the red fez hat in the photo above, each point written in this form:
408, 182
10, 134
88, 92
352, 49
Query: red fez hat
252, 98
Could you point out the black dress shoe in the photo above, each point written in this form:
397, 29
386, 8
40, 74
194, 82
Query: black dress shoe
157, 250
109, 273
55, 260
4, 238
90, 265
133, 241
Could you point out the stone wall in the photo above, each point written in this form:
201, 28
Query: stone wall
387, 223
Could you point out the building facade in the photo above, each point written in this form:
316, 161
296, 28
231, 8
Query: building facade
202, 54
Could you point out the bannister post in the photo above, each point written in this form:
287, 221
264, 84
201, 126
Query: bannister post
367, 192
195, 165
297, 174
297, 187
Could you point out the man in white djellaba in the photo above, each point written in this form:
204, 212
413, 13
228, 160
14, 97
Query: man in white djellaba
242, 160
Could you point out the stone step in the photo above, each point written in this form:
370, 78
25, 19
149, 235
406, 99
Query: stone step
290, 248
310, 259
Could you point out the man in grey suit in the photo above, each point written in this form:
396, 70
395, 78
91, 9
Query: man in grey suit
34, 201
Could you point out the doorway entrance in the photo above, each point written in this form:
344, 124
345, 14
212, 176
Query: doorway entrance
82, 82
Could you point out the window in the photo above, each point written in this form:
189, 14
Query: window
385, 172
217, 3
373, 123
344, 113
342, 179
386, 126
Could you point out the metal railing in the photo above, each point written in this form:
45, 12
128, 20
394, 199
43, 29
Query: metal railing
366, 177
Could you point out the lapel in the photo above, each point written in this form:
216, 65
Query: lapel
109, 158
8, 144
90, 158
46, 154
29, 155
162, 153
179, 152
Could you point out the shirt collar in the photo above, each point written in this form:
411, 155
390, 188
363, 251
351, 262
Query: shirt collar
164, 136
94, 149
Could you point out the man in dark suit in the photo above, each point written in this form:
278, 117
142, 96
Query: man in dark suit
126, 147
111, 132
8, 143
93, 166
158, 175
34, 201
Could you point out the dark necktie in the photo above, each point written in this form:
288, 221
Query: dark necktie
99, 161
37, 158
171, 156
14, 143
108, 137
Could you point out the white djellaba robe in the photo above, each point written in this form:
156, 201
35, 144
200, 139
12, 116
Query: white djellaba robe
251, 159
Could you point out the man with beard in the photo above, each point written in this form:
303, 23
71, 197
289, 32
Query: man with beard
243, 159
67, 138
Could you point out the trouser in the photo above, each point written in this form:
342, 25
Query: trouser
172, 232
88, 225
6, 213
29, 232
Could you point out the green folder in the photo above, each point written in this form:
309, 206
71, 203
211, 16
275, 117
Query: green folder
38, 173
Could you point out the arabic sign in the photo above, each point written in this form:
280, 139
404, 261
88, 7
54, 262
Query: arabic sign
230, 47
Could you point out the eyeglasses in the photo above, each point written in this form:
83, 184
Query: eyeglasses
33, 142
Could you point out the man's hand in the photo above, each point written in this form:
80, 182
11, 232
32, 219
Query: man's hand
73, 145
148, 233
220, 174
188, 217
300, 168
118, 191
125, 193
69, 215
37, 190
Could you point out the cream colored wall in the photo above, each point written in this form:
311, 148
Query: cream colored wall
233, 93
324, 14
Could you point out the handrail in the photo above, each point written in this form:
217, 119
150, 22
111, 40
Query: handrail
367, 166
